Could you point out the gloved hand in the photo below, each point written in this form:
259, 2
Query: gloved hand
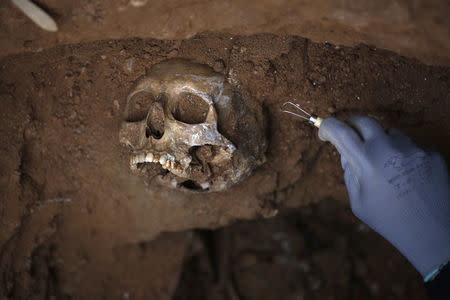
397, 188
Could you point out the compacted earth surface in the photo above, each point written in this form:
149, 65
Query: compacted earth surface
76, 223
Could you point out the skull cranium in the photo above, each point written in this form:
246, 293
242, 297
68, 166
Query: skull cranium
187, 107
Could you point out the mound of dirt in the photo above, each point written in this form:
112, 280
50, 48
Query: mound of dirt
413, 28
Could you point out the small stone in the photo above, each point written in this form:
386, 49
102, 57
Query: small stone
138, 3
28, 44
248, 260
116, 105
267, 212
374, 287
79, 130
73, 115
172, 53
317, 79
304, 266
331, 109
103, 57
128, 65
219, 65
314, 282
30, 132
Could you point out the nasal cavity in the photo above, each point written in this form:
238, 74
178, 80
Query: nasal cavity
155, 121
190, 109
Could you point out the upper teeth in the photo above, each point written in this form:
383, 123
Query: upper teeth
166, 161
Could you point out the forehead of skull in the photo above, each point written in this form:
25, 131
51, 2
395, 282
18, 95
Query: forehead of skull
177, 76
179, 66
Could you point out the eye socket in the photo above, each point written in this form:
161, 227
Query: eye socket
190, 109
138, 106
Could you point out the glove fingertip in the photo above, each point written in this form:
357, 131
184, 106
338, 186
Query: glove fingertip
343, 137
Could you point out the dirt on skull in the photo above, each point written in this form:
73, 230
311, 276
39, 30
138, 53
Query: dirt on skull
186, 118
190, 109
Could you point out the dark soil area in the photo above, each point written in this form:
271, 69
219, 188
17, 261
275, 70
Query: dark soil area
77, 224
318, 252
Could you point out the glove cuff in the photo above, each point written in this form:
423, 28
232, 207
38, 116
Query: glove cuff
432, 275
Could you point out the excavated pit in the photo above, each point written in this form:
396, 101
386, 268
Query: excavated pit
77, 224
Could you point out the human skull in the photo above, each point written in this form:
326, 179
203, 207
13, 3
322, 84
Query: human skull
178, 127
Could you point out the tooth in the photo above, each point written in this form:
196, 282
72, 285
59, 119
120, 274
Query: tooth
149, 157
173, 183
155, 158
167, 165
133, 164
162, 160
140, 158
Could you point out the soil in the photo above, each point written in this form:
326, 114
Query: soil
77, 224
318, 252
418, 29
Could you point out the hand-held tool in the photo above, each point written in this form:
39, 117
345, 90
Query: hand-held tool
311, 118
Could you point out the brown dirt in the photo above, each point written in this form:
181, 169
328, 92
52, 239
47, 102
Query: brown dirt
77, 224
417, 28
318, 252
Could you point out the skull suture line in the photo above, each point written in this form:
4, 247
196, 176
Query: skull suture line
195, 126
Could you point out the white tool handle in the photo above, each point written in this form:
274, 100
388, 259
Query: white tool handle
318, 122
36, 14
